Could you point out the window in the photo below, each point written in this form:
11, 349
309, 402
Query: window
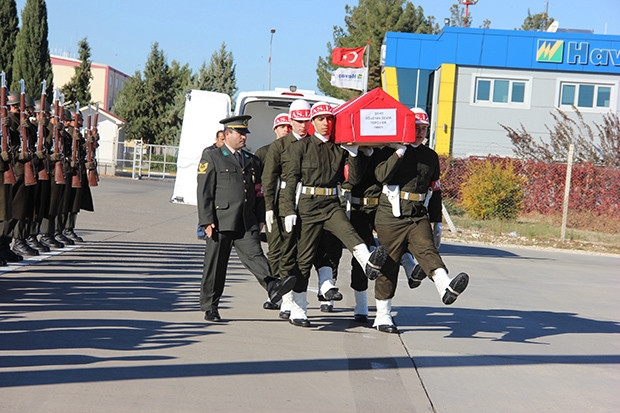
500, 91
584, 95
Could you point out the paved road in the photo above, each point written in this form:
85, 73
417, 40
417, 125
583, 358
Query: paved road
114, 326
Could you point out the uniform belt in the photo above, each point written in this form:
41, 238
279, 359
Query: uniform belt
312, 190
409, 196
364, 201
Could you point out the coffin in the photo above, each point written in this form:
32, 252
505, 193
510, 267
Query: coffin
374, 119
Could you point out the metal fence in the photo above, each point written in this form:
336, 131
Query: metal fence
141, 160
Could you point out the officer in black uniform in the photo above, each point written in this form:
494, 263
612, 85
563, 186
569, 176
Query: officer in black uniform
403, 222
230, 208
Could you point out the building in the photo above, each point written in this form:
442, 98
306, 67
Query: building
472, 81
104, 86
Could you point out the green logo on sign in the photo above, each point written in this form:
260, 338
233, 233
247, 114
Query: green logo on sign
550, 51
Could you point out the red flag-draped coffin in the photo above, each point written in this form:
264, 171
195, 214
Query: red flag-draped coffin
374, 119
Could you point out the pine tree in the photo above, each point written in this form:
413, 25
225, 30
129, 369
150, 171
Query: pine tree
78, 88
539, 21
31, 60
368, 22
219, 76
8, 33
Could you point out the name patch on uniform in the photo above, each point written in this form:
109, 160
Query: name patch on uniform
202, 168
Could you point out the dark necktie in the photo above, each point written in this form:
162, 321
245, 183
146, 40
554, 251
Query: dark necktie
239, 157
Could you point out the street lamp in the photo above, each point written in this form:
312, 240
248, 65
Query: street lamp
467, 3
269, 60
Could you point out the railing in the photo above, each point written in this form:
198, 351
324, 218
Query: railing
141, 160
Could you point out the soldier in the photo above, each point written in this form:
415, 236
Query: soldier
316, 165
48, 223
22, 205
42, 193
76, 198
231, 208
281, 128
404, 223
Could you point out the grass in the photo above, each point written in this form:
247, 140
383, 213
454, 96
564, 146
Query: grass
584, 232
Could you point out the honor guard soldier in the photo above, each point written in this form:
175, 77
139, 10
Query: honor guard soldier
313, 174
231, 208
403, 222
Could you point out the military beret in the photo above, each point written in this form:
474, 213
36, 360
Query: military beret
238, 123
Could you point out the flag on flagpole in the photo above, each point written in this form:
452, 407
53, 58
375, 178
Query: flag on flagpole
350, 78
342, 56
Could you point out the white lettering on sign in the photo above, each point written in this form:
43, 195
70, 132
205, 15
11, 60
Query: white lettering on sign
377, 122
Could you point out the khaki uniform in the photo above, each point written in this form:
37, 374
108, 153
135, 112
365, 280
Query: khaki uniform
282, 245
319, 166
414, 173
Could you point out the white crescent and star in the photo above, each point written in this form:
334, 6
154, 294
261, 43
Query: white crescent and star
354, 54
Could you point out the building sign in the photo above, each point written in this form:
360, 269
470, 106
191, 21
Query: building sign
552, 51
377, 122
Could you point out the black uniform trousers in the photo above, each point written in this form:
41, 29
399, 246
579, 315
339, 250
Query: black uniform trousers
338, 224
275, 241
407, 234
217, 254
364, 223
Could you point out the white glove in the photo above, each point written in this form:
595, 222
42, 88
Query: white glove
400, 149
289, 222
366, 150
437, 230
268, 220
352, 149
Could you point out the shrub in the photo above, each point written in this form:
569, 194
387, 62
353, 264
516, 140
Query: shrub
492, 190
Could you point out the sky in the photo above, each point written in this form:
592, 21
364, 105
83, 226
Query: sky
121, 32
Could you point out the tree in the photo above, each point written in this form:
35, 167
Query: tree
129, 105
457, 16
368, 22
603, 148
537, 22
8, 33
31, 60
219, 76
183, 80
78, 88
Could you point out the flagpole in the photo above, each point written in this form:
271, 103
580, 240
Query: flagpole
367, 63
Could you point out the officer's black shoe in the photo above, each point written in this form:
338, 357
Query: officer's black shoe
332, 295
61, 238
278, 288
10, 256
20, 247
268, 305
3, 262
213, 315
456, 287
34, 243
285, 315
69, 233
300, 322
375, 262
387, 328
417, 275
327, 308
50, 241
360, 318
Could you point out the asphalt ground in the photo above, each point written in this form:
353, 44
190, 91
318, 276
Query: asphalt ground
114, 325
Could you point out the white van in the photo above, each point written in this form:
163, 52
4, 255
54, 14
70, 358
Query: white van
204, 110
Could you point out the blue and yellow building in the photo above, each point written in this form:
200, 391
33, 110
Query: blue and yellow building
472, 81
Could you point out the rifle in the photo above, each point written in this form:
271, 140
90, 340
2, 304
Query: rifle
75, 147
43, 173
93, 178
29, 168
59, 173
9, 176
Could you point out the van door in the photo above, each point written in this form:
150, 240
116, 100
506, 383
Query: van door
201, 121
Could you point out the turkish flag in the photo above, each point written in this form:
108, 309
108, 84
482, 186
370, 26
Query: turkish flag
342, 56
